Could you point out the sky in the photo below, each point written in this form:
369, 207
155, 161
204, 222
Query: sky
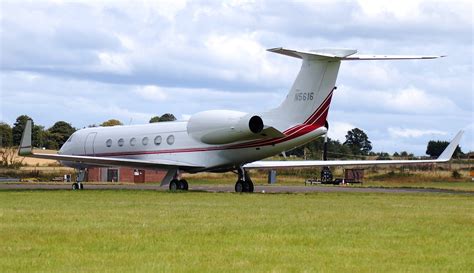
85, 62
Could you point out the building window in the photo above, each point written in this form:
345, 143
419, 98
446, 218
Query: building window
157, 140
120, 142
108, 143
133, 141
170, 139
145, 141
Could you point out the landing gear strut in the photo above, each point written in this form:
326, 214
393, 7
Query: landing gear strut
80, 178
244, 183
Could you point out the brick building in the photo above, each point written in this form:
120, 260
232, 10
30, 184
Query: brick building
123, 174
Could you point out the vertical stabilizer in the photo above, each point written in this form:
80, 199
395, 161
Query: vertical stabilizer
310, 96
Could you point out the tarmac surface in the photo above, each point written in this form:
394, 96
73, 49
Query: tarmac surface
228, 188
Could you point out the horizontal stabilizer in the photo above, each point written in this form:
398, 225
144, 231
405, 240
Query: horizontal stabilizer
346, 54
444, 157
315, 54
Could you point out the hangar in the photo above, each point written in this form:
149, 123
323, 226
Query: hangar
124, 174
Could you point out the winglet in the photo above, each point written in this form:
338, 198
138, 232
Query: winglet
25, 145
449, 151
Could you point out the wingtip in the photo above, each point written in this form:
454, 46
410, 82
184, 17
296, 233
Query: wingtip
451, 148
26, 148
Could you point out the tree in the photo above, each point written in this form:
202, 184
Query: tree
358, 142
383, 156
53, 141
164, 117
167, 117
155, 119
6, 139
111, 122
38, 136
59, 133
435, 148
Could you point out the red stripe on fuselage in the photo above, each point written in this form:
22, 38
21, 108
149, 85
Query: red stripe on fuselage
316, 120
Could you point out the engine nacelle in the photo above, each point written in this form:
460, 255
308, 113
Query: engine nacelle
224, 126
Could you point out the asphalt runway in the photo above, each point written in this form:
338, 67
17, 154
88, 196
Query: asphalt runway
228, 188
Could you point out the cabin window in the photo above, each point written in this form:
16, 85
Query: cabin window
157, 140
170, 140
108, 143
145, 141
120, 142
133, 141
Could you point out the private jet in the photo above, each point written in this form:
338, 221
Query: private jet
226, 140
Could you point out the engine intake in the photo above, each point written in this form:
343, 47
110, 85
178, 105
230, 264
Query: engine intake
223, 126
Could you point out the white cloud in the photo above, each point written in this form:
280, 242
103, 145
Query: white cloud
151, 92
185, 116
405, 100
412, 133
113, 62
338, 130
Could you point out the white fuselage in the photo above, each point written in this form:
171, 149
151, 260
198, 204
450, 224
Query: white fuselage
170, 142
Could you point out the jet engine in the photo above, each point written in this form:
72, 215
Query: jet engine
223, 126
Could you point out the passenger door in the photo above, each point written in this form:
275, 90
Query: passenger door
89, 144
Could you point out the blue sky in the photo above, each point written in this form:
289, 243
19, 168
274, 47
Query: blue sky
86, 62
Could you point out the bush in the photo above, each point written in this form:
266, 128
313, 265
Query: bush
455, 174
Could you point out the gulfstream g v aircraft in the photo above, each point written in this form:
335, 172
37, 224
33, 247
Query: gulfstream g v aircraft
224, 140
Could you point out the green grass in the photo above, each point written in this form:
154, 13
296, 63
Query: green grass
427, 180
148, 231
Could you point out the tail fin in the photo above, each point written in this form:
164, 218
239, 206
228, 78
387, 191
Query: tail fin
310, 96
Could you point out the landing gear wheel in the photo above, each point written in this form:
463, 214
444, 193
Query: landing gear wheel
183, 185
326, 175
81, 186
174, 185
239, 186
250, 185
75, 186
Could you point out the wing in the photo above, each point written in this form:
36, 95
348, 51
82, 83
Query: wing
26, 150
444, 157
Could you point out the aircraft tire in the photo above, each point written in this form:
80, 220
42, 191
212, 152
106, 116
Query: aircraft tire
183, 185
251, 188
75, 186
239, 186
174, 185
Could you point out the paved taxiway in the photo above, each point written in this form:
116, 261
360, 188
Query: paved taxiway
229, 188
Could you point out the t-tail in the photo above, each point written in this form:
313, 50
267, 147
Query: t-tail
309, 98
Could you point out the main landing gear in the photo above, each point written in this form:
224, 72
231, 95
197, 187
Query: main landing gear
179, 184
244, 183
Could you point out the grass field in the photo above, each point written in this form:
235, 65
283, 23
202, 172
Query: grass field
148, 231
431, 180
